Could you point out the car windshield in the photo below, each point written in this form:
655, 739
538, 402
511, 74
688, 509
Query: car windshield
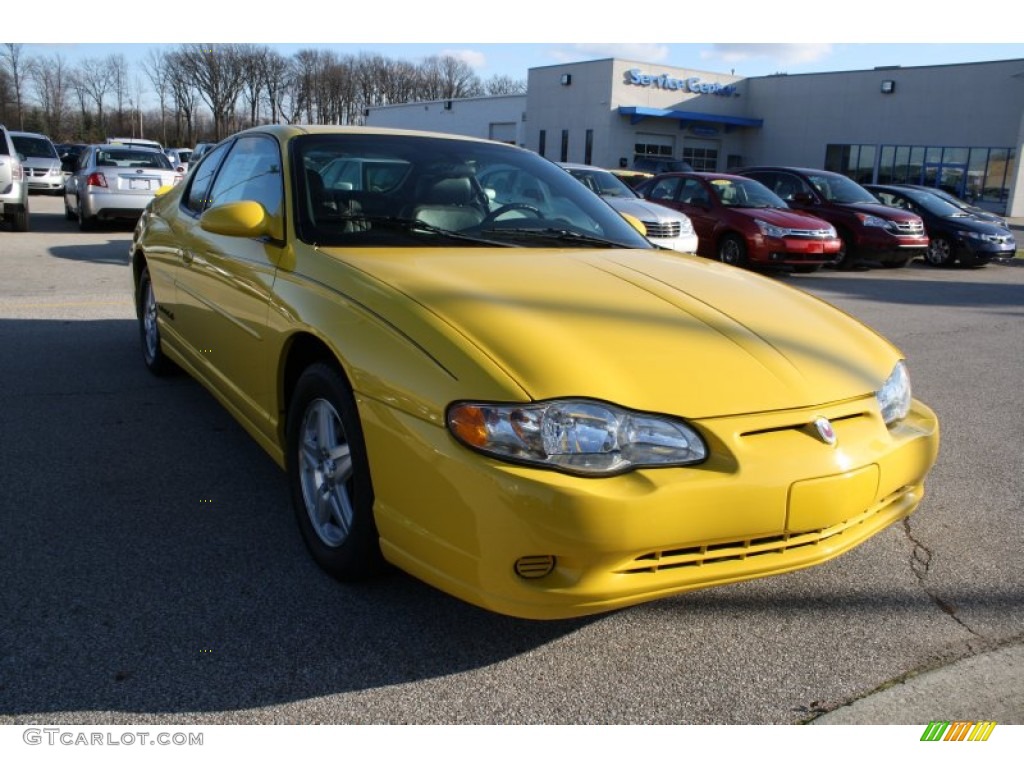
934, 204
132, 158
32, 146
745, 193
839, 189
394, 190
604, 183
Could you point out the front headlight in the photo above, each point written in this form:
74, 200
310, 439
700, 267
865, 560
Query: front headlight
967, 234
580, 437
770, 230
872, 221
894, 397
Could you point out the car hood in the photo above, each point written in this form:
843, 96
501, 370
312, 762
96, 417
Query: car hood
663, 333
879, 210
783, 217
643, 210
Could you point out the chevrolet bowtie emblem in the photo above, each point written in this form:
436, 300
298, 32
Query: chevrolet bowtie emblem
825, 430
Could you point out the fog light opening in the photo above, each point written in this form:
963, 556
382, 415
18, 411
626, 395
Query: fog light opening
535, 566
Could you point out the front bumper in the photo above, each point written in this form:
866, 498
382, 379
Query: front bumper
772, 498
683, 243
795, 250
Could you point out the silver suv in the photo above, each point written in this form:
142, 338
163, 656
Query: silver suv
13, 187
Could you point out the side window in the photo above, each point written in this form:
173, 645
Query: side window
664, 189
197, 196
693, 192
252, 171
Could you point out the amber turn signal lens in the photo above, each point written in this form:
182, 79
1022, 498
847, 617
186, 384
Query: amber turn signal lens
467, 422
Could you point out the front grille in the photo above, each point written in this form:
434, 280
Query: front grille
908, 227
814, 234
704, 555
663, 228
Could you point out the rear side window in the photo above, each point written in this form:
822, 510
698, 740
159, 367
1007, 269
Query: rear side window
4, 144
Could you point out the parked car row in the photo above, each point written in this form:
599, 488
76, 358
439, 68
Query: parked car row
804, 218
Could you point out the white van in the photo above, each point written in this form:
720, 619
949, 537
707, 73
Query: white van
41, 163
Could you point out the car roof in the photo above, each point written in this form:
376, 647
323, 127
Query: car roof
133, 147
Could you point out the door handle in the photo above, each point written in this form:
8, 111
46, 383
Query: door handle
188, 257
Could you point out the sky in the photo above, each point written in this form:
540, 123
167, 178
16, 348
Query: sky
747, 38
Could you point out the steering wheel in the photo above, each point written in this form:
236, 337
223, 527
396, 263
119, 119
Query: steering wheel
495, 214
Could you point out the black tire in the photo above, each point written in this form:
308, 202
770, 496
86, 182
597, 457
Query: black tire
329, 476
85, 223
732, 250
845, 259
68, 213
19, 220
940, 252
149, 330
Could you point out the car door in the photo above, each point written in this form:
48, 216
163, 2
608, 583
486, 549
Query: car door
696, 200
225, 282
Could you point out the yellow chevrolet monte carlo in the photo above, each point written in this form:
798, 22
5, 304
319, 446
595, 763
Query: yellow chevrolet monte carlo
474, 369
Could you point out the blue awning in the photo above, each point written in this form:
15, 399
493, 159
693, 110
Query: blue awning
636, 114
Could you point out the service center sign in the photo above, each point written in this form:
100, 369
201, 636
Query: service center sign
689, 84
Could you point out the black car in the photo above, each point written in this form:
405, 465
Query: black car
954, 234
974, 210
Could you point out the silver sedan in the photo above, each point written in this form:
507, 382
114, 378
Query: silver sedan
114, 182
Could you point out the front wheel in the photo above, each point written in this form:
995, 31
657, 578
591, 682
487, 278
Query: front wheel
733, 250
149, 331
940, 252
329, 476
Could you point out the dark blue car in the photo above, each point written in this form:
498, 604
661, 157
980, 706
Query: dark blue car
954, 234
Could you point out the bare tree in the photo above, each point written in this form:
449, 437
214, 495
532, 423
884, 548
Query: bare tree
503, 85
446, 77
184, 96
50, 79
252, 60
16, 71
218, 75
119, 85
157, 70
277, 79
95, 78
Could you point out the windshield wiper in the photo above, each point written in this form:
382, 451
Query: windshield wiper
418, 225
557, 234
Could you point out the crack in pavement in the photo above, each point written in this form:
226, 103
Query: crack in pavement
920, 564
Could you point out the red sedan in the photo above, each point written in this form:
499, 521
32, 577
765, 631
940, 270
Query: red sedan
741, 222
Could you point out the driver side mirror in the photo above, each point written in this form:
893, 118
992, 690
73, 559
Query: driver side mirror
241, 218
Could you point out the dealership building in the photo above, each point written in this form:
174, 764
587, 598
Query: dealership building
957, 126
